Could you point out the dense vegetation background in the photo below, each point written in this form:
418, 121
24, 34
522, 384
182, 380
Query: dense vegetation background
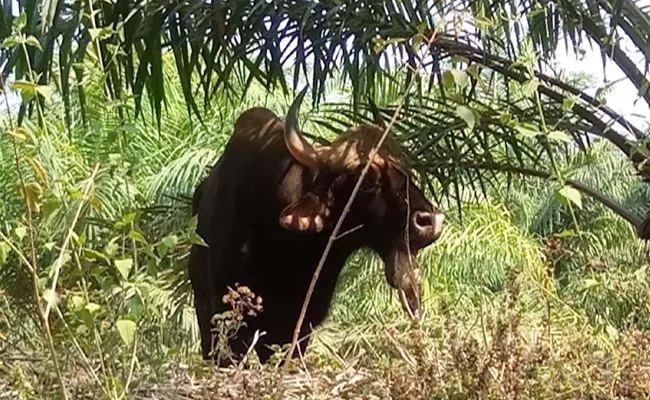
539, 287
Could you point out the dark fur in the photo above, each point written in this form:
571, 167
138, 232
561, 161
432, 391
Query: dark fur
238, 207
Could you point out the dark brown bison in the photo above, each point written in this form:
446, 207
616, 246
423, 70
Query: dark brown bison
268, 208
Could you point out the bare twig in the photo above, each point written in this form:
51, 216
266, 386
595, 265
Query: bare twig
337, 228
349, 231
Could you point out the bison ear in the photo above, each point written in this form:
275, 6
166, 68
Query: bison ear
308, 214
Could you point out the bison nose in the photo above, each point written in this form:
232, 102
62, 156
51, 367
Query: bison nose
428, 225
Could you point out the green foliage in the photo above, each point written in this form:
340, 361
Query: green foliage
105, 200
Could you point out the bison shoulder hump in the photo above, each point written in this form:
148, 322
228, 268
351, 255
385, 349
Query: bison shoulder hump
254, 118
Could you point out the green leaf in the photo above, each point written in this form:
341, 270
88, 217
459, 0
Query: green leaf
166, 244
590, 283
137, 236
611, 331
33, 193
126, 328
45, 91
569, 194
51, 297
559, 136
567, 104
77, 302
170, 241
20, 22
467, 115
21, 232
456, 77
124, 266
4, 253
33, 42
529, 131
93, 308
101, 33
461, 78
448, 79
195, 238
9, 42
31, 88
530, 87
24, 85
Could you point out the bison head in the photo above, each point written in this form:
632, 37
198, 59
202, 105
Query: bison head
390, 214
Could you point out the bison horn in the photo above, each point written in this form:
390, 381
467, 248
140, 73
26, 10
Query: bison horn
299, 148
375, 113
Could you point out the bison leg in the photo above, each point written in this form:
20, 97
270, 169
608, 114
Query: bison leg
198, 272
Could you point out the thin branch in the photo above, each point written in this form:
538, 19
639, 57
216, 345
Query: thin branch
45, 324
337, 228
610, 203
59, 260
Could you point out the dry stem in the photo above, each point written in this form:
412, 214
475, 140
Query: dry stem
337, 228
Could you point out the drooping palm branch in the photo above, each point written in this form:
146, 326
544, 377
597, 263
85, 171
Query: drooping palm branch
225, 46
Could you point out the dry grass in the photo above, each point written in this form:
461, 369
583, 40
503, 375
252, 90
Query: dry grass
504, 354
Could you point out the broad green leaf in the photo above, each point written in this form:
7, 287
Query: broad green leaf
30, 88
45, 91
20, 232
77, 302
126, 328
24, 85
195, 238
124, 266
20, 22
4, 253
75, 194
33, 42
567, 104
94, 33
559, 136
448, 79
9, 42
566, 233
590, 283
170, 241
111, 248
166, 244
33, 194
467, 115
456, 77
611, 331
460, 78
570, 194
93, 308
51, 297
528, 131
530, 87
137, 236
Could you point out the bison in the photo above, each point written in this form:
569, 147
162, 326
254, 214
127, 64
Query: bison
266, 212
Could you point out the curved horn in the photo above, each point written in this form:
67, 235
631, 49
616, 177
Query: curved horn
299, 148
375, 113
